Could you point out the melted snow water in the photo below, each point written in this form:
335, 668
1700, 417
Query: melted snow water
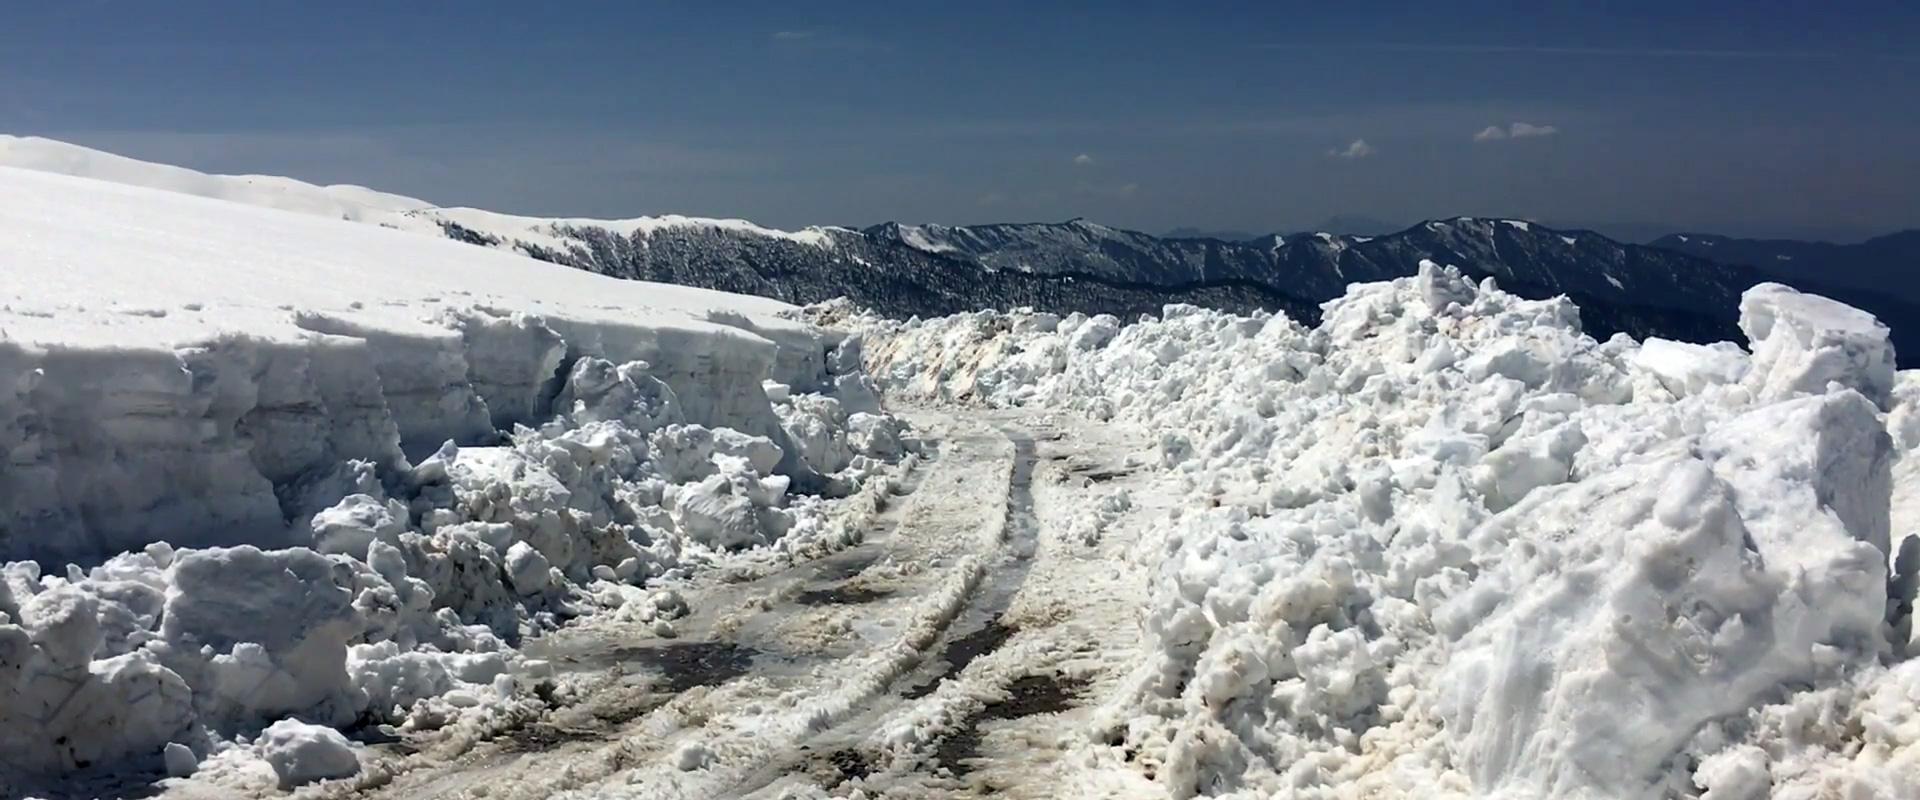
674, 667
850, 564
961, 651
1028, 696
684, 665
842, 595
843, 568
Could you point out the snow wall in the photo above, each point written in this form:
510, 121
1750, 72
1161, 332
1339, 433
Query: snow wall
174, 368
239, 439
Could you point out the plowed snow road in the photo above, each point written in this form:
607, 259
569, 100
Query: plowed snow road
959, 650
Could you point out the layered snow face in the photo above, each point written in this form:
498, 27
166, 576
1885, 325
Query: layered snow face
322, 472
1446, 544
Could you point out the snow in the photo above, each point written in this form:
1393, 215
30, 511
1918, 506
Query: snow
318, 471
1446, 545
352, 203
316, 340
1805, 342
179, 760
1517, 223
538, 230
355, 203
1685, 369
915, 237
314, 474
302, 753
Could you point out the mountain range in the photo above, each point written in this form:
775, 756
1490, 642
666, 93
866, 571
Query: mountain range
905, 270
1080, 265
1889, 264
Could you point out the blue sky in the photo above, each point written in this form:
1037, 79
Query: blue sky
1749, 118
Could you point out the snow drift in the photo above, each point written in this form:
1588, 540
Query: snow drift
1445, 544
264, 465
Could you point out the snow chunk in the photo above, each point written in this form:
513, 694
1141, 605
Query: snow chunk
301, 753
1443, 286
277, 624
1824, 489
1735, 774
712, 512
527, 569
356, 522
1803, 342
179, 760
598, 391
1687, 369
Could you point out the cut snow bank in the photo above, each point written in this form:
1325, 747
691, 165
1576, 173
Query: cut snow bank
1446, 545
174, 367
330, 473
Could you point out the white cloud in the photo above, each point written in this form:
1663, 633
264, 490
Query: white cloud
1518, 130
1083, 160
1358, 149
788, 36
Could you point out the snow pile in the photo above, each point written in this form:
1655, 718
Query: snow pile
1445, 544
315, 482
403, 607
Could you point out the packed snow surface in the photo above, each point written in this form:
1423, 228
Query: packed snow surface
268, 474
1447, 545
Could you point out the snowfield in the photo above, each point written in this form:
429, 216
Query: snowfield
266, 470
1445, 545
353, 203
